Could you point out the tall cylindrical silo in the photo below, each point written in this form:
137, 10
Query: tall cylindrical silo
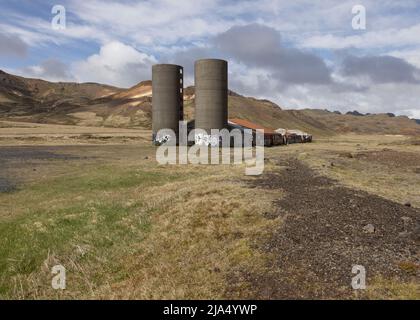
211, 94
167, 98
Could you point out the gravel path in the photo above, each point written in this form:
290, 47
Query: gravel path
329, 228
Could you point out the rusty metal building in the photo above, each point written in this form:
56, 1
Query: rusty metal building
271, 137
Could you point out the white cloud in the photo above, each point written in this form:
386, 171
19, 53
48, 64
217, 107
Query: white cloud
116, 64
411, 113
371, 39
12, 46
410, 55
30, 37
149, 23
378, 98
50, 69
180, 31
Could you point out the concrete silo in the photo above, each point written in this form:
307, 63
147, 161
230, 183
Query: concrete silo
167, 98
211, 94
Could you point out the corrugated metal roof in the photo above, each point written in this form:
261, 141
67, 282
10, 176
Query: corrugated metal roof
251, 125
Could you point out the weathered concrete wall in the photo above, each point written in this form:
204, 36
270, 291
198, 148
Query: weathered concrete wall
167, 97
211, 94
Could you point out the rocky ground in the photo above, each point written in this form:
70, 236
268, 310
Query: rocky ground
5, 185
328, 228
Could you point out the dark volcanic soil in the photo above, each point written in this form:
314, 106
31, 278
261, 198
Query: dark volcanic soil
6, 185
21, 158
23, 153
323, 236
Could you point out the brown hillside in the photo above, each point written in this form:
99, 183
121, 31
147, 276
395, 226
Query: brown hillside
92, 104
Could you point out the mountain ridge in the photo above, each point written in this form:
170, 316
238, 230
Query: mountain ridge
94, 104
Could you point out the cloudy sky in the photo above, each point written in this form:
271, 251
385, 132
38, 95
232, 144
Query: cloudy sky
299, 54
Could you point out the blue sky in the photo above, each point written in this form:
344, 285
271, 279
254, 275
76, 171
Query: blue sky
299, 54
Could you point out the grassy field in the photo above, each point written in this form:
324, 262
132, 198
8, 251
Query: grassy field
125, 227
386, 165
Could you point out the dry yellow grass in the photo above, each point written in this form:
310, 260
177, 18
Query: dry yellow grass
125, 227
23, 133
392, 289
399, 183
132, 229
203, 232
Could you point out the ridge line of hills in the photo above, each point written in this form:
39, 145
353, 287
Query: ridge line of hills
93, 104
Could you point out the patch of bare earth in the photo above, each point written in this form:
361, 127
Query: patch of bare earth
390, 157
324, 234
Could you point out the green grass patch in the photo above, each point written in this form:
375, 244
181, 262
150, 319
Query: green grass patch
105, 178
94, 217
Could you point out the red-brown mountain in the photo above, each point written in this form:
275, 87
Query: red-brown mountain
93, 104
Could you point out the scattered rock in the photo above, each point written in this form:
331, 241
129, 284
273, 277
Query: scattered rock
404, 234
321, 235
369, 228
416, 232
332, 164
406, 220
407, 204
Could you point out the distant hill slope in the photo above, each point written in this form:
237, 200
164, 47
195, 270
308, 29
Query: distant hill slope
93, 104
367, 124
16, 88
315, 121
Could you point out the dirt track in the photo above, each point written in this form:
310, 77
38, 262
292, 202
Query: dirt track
323, 236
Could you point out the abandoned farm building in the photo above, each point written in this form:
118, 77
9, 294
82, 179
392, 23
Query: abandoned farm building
271, 137
211, 105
